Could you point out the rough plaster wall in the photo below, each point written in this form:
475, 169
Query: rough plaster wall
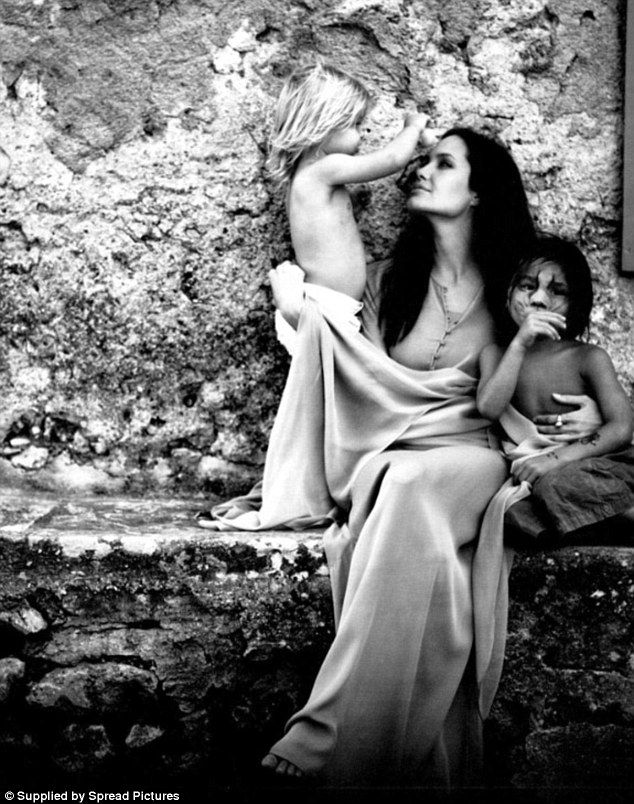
137, 226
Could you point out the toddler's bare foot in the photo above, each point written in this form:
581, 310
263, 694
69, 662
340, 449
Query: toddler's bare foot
282, 767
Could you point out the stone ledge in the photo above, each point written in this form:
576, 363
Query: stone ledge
97, 526
136, 645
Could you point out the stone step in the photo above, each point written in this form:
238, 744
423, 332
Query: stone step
134, 642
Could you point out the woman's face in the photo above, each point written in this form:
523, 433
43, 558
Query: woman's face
441, 186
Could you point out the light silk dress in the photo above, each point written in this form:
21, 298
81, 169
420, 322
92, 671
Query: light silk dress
398, 458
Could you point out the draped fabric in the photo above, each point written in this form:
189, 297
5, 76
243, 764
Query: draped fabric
396, 699
344, 402
523, 441
399, 462
339, 305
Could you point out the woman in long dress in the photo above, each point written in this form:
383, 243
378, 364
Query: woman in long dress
396, 700
379, 431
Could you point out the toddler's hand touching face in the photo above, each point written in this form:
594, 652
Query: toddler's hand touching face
540, 324
416, 119
430, 137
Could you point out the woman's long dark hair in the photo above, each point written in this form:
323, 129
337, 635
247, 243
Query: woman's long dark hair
503, 231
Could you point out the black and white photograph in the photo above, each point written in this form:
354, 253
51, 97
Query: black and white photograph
317, 401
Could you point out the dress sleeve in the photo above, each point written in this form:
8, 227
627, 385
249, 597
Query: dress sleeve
371, 300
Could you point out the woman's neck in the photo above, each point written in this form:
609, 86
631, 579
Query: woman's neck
453, 258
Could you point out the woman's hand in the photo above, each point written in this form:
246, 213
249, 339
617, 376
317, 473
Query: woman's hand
287, 284
575, 424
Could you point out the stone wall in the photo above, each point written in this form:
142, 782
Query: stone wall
137, 224
136, 653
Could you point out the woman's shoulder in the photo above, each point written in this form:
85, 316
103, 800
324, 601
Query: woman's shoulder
372, 301
375, 271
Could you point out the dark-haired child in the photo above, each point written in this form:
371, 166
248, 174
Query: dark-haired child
578, 484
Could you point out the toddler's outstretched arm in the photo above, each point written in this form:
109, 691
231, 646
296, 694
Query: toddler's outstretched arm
336, 168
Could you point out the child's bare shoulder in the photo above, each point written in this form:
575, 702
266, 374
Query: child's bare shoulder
592, 357
312, 181
489, 359
302, 178
316, 170
491, 352
492, 348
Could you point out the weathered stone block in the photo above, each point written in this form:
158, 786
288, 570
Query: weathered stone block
95, 690
141, 735
567, 671
579, 756
194, 651
24, 619
11, 676
82, 749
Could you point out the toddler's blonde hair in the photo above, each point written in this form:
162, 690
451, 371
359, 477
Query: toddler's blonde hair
314, 101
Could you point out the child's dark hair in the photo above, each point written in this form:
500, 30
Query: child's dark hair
568, 257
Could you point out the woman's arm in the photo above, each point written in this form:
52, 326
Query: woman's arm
579, 423
616, 430
614, 433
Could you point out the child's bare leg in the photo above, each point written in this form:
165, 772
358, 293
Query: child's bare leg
281, 766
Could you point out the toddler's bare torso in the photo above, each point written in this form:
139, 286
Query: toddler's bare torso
556, 367
326, 240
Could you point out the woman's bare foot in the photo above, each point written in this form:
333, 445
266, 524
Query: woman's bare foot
282, 767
